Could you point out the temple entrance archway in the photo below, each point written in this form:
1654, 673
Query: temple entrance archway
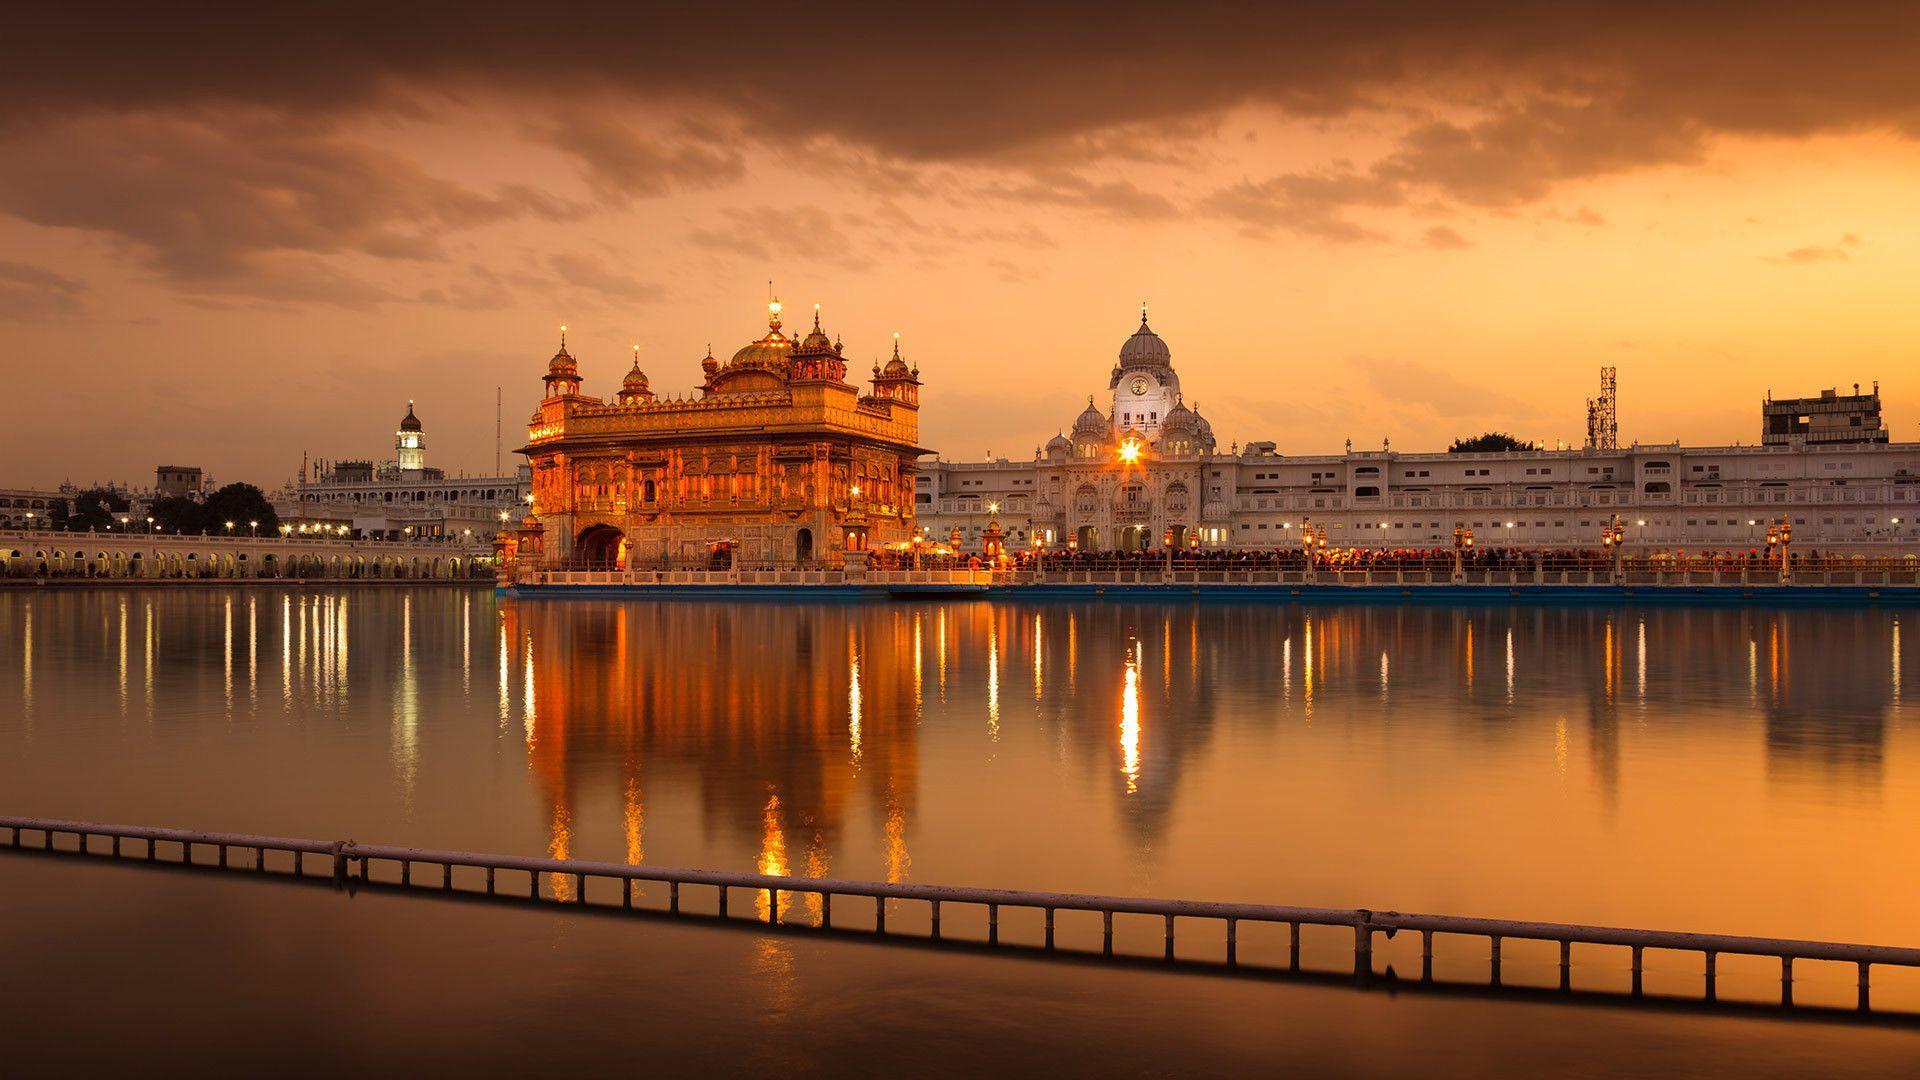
600, 547
803, 546
1087, 538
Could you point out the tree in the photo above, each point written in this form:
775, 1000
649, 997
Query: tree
240, 503
177, 514
1491, 442
94, 510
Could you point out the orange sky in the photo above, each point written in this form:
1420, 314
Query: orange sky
226, 243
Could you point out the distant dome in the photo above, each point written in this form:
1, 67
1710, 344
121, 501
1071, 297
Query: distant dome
636, 380
1091, 422
410, 422
1180, 418
563, 363
1145, 348
1059, 442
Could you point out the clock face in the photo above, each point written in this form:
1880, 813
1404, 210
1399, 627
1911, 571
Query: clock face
1139, 385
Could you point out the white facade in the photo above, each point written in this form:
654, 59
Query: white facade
405, 497
1082, 488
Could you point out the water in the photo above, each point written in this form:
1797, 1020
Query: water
1725, 769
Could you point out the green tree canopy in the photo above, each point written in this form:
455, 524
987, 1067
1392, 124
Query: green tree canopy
177, 514
1488, 443
94, 509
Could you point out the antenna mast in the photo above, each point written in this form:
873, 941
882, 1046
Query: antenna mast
1603, 421
496, 431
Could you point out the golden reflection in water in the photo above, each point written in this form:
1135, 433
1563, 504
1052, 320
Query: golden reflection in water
1286, 668
466, 646
1640, 662
1896, 661
226, 622
147, 609
635, 822
506, 695
940, 648
1073, 652
899, 862
772, 859
1753, 670
853, 695
286, 653
1609, 662
253, 652
1039, 685
1306, 668
1130, 719
918, 660
406, 712
1509, 665
1560, 745
993, 678
526, 694
560, 846
1466, 665
1383, 675
340, 643
1166, 658
26, 666
123, 656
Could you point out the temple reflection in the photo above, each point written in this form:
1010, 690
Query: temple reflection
780, 723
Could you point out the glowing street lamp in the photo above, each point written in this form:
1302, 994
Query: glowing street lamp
229, 528
253, 528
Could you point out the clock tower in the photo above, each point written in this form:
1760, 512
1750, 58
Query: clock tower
1145, 388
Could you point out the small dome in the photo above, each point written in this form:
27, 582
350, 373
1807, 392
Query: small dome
410, 422
1059, 442
636, 380
1091, 422
769, 352
1145, 348
563, 363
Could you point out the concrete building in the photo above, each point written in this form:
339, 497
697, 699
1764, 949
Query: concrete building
1145, 470
1828, 420
178, 480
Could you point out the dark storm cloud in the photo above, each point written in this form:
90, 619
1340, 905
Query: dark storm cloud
209, 136
924, 82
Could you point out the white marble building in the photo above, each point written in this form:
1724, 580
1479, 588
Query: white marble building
1146, 468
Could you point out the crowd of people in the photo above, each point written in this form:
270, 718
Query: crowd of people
1432, 560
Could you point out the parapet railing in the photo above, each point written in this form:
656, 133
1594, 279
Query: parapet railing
1730, 576
344, 856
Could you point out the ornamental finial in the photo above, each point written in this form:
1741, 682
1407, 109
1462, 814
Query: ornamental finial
896, 344
563, 337
1143, 313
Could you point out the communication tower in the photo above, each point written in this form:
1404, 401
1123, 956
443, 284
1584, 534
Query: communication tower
1603, 422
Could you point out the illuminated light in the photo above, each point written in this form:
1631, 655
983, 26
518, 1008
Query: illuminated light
1130, 721
1130, 451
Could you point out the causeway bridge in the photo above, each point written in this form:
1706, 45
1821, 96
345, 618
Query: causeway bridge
865, 907
50, 556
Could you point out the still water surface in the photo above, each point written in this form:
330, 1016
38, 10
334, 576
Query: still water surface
1725, 769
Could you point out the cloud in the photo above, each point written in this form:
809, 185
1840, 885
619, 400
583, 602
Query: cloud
620, 164
1110, 198
1443, 238
776, 234
1815, 253
244, 204
596, 275
33, 293
1308, 204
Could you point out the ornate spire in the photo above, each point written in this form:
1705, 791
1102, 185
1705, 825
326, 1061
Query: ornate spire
896, 344
1143, 313
816, 318
773, 314
563, 337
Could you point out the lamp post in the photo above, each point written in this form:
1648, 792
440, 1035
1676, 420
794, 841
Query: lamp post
253, 528
149, 525
1462, 540
1786, 551
1612, 541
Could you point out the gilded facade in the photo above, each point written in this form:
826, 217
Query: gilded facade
776, 461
